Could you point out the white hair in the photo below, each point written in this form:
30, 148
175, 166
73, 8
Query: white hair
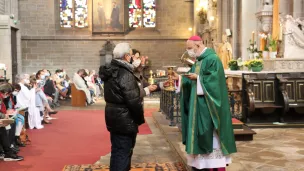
20, 77
121, 49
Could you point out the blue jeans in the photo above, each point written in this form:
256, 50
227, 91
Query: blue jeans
122, 151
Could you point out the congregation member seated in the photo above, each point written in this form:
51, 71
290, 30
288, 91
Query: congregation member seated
6, 152
80, 84
59, 81
50, 89
91, 86
42, 101
16, 127
66, 83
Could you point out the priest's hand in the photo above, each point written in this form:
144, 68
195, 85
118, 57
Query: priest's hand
192, 76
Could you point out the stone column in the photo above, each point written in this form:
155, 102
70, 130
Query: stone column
297, 8
235, 34
219, 21
248, 21
285, 7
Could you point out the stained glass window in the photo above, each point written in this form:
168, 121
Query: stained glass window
142, 13
73, 13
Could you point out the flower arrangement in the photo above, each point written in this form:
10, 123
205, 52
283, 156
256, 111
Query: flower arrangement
273, 45
233, 65
255, 65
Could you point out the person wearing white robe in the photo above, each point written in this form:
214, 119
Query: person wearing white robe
26, 99
80, 85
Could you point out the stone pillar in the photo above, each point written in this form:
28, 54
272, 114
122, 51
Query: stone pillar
248, 21
235, 30
297, 8
285, 7
219, 21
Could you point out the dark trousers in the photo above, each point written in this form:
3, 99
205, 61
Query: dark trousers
4, 141
122, 151
11, 133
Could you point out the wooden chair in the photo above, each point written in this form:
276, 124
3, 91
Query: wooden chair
78, 97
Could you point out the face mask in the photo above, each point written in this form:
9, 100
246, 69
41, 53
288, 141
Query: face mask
26, 81
191, 53
136, 63
47, 74
42, 77
15, 93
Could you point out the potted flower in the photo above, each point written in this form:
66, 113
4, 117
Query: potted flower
233, 65
247, 64
252, 49
272, 47
266, 53
256, 65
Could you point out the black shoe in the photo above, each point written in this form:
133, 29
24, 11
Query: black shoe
15, 150
12, 157
2, 155
53, 113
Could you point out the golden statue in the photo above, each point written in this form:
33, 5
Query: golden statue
224, 51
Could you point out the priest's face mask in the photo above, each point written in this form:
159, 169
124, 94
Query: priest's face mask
193, 49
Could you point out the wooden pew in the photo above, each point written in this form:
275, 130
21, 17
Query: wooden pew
78, 97
292, 89
260, 91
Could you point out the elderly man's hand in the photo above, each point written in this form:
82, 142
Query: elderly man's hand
152, 88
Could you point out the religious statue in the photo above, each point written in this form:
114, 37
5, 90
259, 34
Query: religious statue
101, 15
225, 51
293, 37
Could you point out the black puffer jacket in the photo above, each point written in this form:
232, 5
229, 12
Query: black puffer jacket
124, 109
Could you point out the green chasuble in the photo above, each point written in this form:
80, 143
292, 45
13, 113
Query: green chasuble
203, 114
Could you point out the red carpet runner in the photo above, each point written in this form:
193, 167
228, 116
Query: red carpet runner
77, 137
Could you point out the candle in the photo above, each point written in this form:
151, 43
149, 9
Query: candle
253, 37
281, 32
262, 44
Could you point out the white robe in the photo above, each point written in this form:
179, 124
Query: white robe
23, 97
34, 118
80, 85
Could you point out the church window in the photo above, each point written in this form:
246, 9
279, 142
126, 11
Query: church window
74, 13
142, 13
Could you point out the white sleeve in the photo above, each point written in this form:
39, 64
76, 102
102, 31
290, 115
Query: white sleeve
147, 91
199, 87
178, 87
161, 85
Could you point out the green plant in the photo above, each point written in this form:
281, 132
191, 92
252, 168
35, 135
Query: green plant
233, 63
203, 16
273, 45
256, 63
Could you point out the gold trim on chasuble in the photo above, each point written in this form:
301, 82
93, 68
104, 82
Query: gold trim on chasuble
194, 123
214, 112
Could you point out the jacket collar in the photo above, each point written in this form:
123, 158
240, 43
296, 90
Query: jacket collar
123, 64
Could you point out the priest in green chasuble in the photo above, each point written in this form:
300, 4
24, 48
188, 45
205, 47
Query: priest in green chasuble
207, 129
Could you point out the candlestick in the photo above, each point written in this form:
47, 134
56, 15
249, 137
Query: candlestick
253, 36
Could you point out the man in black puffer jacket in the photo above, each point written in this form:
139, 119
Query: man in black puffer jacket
124, 109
